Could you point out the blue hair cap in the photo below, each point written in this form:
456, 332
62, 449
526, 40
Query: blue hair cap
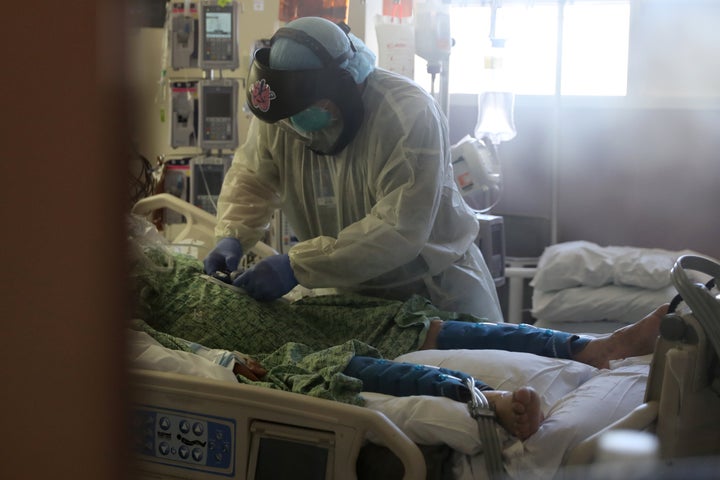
287, 54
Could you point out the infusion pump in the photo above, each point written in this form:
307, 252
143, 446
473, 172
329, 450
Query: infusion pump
204, 34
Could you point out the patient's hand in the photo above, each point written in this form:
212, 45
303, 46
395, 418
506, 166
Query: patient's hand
248, 367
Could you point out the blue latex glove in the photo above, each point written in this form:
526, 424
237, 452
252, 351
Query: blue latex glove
269, 279
225, 257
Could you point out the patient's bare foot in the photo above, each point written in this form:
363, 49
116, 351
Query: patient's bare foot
518, 412
631, 341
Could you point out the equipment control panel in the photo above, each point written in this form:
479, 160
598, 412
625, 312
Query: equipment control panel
187, 440
218, 114
218, 35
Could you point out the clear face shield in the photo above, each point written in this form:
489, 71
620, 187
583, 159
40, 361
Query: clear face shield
274, 95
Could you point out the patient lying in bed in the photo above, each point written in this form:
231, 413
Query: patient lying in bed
333, 346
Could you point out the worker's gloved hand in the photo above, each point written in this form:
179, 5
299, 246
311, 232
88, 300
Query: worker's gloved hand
225, 257
269, 279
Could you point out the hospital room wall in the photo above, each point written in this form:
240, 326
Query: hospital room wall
641, 170
63, 301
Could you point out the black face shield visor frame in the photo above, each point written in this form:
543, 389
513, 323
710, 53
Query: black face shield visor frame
273, 95
277, 94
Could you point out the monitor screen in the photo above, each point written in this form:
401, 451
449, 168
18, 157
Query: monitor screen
218, 104
218, 24
279, 458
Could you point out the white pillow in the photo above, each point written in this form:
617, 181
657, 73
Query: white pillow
571, 264
434, 420
646, 267
588, 304
582, 263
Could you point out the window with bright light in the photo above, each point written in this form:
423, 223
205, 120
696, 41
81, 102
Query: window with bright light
594, 35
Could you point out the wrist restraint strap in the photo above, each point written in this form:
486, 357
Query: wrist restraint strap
481, 410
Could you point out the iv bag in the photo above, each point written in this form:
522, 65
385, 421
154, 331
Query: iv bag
496, 119
496, 103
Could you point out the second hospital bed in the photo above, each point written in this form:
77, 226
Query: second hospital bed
190, 422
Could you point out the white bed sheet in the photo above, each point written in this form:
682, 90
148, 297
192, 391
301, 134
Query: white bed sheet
577, 400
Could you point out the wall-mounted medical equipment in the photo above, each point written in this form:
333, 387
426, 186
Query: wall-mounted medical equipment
206, 178
184, 114
183, 35
176, 181
218, 38
491, 240
476, 168
218, 114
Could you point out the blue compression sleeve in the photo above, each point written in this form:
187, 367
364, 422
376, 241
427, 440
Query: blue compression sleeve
511, 337
406, 379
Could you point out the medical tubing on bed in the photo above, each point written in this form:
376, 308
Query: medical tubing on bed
405, 379
510, 337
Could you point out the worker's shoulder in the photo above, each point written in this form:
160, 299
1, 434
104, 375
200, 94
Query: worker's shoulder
391, 83
390, 90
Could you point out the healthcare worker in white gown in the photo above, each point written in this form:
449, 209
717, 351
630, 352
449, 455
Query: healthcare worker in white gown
358, 159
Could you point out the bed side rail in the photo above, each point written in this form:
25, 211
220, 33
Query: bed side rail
243, 414
198, 232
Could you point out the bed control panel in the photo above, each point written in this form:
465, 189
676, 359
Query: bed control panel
188, 440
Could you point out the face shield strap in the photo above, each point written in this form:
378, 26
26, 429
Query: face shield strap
352, 112
314, 46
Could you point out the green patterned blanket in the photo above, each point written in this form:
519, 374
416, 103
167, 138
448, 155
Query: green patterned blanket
305, 345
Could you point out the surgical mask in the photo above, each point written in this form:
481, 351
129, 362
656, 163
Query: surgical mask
312, 119
319, 141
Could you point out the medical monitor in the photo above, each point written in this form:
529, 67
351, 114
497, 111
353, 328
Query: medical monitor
218, 37
285, 451
491, 240
206, 179
218, 114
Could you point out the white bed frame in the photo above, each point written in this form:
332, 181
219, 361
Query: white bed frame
250, 414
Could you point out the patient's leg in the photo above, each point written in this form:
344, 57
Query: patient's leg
518, 412
633, 340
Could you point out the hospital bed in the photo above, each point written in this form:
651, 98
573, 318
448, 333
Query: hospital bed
197, 425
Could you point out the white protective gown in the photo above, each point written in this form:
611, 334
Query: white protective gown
383, 217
